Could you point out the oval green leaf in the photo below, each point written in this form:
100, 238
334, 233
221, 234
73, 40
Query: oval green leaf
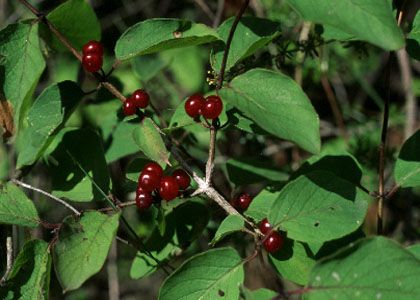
277, 104
206, 276
230, 224
319, 206
155, 35
82, 247
367, 20
16, 208
374, 268
251, 34
407, 167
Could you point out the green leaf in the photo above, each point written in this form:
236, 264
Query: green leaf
16, 208
122, 135
257, 294
348, 273
148, 138
413, 39
21, 66
148, 66
77, 21
293, 261
368, 20
230, 224
155, 35
415, 250
50, 110
30, 275
251, 34
82, 247
68, 179
407, 167
277, 104
209, 275
260, 205
318, 207
244, 171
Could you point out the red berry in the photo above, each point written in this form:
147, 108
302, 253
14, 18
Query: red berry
182, 179
273, 242
129, 108
143, 200
93, 47
265, 227
92, 62
154, 168
140, 98
168, 188
243, 201
194, 104
212, 107
148, 181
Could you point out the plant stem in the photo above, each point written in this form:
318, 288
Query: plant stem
62, 202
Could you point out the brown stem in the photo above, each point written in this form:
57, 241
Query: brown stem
119, 206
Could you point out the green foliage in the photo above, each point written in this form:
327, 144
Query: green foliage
16, 208
348, 273
367, 20
156, 35
21, 66
29, 278
51, 109
251, 34
407, 168
77, 21
413, 39
319, 206
150, 142
230, 224
82, 247
277, 104
260, 205
208, 275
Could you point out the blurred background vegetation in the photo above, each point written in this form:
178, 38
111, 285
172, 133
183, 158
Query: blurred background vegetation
344, 80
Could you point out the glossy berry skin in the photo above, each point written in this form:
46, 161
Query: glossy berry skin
143, 200
212, 108
168, 188
148, 181
265, 227
92, 62
273, 242
154, 168
193, 105
243, 201
182, 179
140, 98
129, 108
93, 47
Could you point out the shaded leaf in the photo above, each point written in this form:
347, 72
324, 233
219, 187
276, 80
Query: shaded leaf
261, 204
407, 167
230, 224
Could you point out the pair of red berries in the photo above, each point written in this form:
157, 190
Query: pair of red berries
138, 99
242, 202
209, 107
92, 58
151, 180
273, 240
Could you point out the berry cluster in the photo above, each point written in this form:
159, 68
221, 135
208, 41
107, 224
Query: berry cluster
242, 202
92, 58
138, 99
153, 184
273, 240
209, 107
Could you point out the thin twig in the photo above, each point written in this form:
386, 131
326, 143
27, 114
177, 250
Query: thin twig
300, 55
212, 149
62, 202
205, 8
119, 206
219, 13
9, 259
112, 270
